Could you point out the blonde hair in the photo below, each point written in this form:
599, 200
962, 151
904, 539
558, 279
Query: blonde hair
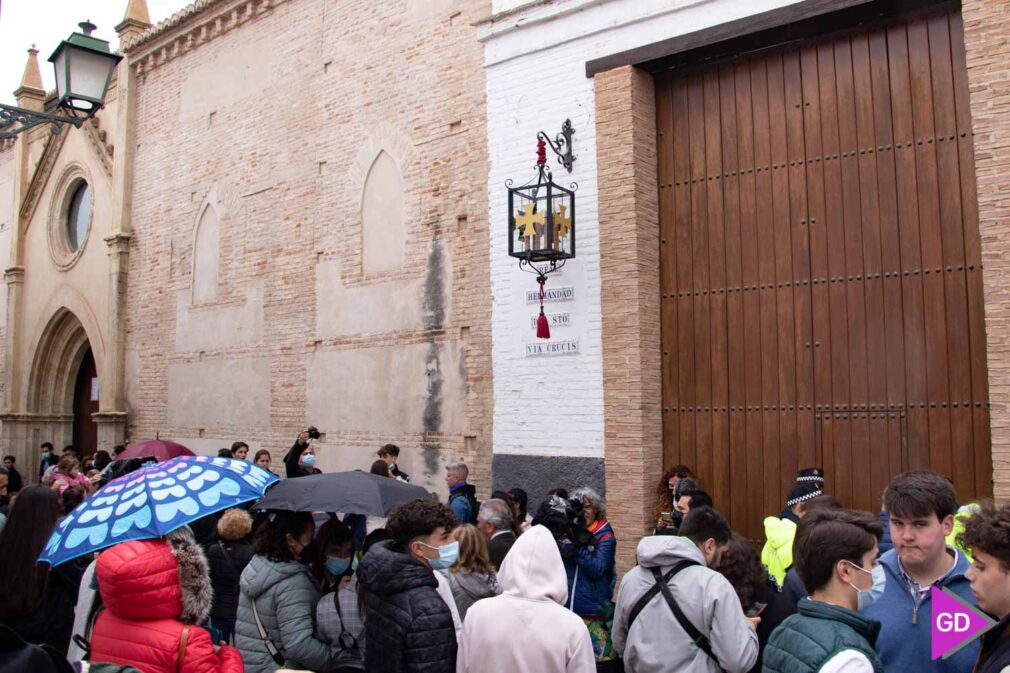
473, 555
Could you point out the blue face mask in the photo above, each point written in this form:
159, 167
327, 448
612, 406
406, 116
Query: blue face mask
447, 555
337, 566
867, 598
309, 459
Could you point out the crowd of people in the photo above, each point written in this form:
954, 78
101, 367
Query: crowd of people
486, 586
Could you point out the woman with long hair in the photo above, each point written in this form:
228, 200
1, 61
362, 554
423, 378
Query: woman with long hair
35, 601
471, 577
277, 599
665, 501
520, 503
759, 595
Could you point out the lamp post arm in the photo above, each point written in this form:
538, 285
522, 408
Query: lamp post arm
29, 119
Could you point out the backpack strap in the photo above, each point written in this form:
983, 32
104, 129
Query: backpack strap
345, 638
227, 556
182, 647
654, 590
696, 636
265, 637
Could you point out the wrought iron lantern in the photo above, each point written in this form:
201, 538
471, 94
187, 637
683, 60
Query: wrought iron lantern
541, 226
84, 66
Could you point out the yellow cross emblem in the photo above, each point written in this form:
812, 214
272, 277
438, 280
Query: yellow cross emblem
562, 222
529, 223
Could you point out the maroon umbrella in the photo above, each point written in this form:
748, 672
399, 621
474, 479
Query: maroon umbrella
161, 449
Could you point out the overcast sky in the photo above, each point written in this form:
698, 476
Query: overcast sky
46, 22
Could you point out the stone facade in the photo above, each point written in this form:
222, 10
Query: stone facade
292, 181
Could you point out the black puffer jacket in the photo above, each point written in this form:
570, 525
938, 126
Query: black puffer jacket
225, 571
408, 626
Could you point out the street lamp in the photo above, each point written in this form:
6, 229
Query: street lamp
541, 221
84, 66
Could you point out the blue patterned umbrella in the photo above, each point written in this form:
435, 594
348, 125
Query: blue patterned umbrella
154, 501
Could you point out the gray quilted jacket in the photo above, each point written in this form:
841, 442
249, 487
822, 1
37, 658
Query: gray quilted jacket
286, 601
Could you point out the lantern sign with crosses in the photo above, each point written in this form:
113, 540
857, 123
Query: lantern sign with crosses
541, 227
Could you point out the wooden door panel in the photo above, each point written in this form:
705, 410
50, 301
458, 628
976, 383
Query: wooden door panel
821, 273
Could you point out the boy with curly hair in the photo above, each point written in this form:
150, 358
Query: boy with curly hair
408, 626
987, 534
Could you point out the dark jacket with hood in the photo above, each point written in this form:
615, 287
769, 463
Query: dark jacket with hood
228, 557
408, 626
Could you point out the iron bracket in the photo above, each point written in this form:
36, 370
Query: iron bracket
562, 144
29, 119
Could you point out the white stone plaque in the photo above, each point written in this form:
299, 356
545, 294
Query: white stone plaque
551, 295
553, 319
547, 347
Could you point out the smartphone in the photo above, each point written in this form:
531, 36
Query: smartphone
668, 516
756, 609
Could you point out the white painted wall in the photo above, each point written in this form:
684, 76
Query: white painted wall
535, 56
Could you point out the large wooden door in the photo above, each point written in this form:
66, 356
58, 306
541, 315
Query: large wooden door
85, 404
821, 269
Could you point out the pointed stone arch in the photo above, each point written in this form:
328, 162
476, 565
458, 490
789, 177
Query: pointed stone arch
205, 277
378, 178
57, 359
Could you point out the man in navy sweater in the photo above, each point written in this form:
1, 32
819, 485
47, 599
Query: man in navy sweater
922, 506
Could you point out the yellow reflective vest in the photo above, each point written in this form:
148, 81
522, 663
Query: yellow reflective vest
777, 554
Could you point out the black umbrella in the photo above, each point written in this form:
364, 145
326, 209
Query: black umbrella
349, 492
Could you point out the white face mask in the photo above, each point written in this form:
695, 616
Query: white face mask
865, 599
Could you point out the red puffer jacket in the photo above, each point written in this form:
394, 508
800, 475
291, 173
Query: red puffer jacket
154, 593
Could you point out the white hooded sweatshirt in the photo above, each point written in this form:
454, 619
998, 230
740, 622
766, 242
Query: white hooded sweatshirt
656, 643
526, 628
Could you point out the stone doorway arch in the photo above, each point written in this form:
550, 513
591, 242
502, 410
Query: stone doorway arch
55, 366
52, 381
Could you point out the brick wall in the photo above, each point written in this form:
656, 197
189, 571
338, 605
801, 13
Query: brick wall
629, 270
268, 112
986, 26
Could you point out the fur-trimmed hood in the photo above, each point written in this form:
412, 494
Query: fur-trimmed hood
165, 578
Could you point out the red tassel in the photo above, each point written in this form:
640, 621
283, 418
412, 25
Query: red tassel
543, 328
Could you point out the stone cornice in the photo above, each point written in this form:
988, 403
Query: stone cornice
200, 22
119, 242
41, 176
14, 274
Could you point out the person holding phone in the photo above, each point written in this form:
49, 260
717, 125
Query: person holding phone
300, 460
759, 595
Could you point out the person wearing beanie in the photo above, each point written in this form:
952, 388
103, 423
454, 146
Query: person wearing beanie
777, 554
228, 557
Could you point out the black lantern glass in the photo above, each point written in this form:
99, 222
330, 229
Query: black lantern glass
542, 222
84, 66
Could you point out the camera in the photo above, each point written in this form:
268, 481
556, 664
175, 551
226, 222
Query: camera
313, 432
566, 522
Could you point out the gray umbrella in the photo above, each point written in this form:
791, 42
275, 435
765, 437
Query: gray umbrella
354, 492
